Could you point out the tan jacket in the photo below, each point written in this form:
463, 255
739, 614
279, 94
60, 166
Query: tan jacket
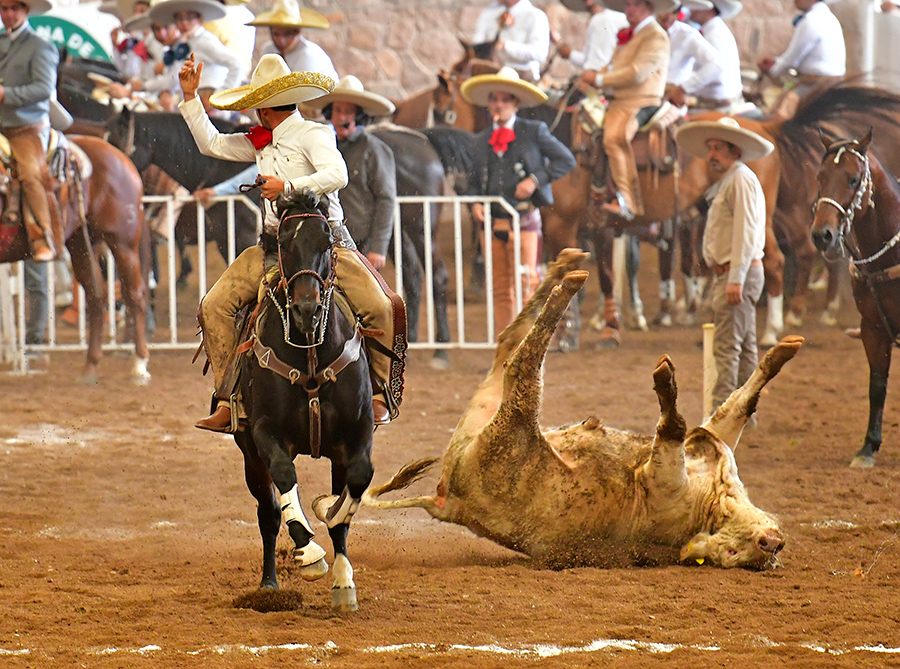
637, 73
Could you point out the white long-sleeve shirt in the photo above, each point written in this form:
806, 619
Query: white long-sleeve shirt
222, 67
736, 225
600, 41
305, 57
718, 34
817, 46
303, 153
526, 43
694, 62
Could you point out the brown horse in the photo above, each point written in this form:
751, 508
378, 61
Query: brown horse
858, 215
113, 214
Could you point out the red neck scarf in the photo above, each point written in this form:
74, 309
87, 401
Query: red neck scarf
500, 139
624, 36
259, 136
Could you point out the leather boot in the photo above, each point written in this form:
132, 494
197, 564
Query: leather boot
380, 411
219, 421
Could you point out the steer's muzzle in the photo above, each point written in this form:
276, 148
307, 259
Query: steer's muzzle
770, 542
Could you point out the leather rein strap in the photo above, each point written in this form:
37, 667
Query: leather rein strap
311, 382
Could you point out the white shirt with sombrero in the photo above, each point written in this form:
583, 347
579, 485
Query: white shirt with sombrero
694, 62
601, 40
817, 46
526, 41
718, 34
305, 57
222, 67
736, 224
302, 152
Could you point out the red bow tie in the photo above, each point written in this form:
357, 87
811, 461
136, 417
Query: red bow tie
624, 36
259, 136
500, 139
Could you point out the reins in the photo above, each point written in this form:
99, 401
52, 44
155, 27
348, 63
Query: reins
311, 380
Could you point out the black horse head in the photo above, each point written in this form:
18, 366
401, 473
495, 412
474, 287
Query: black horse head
304, 258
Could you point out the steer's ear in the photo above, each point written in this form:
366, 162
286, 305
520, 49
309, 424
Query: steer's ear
697, 548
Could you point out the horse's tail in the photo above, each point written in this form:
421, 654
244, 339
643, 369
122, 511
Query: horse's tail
409, 474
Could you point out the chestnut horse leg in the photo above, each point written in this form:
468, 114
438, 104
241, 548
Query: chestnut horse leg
878, 347
603, 236
87, 273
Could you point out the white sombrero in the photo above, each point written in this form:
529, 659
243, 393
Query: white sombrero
37, 6
350, 89
476, 89
692, 137
164, 12
272, 85
696, 5
141, 21
728, 9
659, 6
289, 14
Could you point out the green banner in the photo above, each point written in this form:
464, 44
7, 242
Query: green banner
74, 38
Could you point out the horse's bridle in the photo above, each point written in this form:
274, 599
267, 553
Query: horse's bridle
326, 287
848, 213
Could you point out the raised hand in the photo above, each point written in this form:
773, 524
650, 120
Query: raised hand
189, 78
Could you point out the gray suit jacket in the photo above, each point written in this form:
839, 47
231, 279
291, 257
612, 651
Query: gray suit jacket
28, 76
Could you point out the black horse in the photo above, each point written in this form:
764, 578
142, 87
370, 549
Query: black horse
164, 140
307, 390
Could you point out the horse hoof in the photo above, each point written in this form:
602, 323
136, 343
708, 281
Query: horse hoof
89, 378
663, 320
828, 319
793, 320
597, 323
343, 600
768, 340
609, 340
440, 360
314, 571
863, 462
638, 322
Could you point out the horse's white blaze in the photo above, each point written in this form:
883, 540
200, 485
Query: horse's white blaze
343, 572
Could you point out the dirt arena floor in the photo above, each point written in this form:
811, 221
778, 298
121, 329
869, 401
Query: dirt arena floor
126, 534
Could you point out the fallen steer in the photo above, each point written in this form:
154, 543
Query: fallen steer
587, 494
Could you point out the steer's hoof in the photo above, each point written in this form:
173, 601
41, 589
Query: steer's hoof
863, 461
782, 352
343, 600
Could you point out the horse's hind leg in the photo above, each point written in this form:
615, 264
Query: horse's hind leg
86, 272
128, 263
729, 419
268, 513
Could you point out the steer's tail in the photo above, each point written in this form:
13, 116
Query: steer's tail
403, 479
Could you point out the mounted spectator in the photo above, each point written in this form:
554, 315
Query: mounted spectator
816, 50
600, 41
27, 83
521, 35
694, 69
729, 90
234, 30
285, 22
221, 67
370, 196
637, 79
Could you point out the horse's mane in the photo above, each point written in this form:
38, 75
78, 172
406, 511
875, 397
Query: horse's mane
845, 108
303, 199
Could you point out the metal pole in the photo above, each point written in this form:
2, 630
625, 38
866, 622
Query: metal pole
709, 369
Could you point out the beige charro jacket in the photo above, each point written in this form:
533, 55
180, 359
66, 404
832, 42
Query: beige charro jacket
637, 72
